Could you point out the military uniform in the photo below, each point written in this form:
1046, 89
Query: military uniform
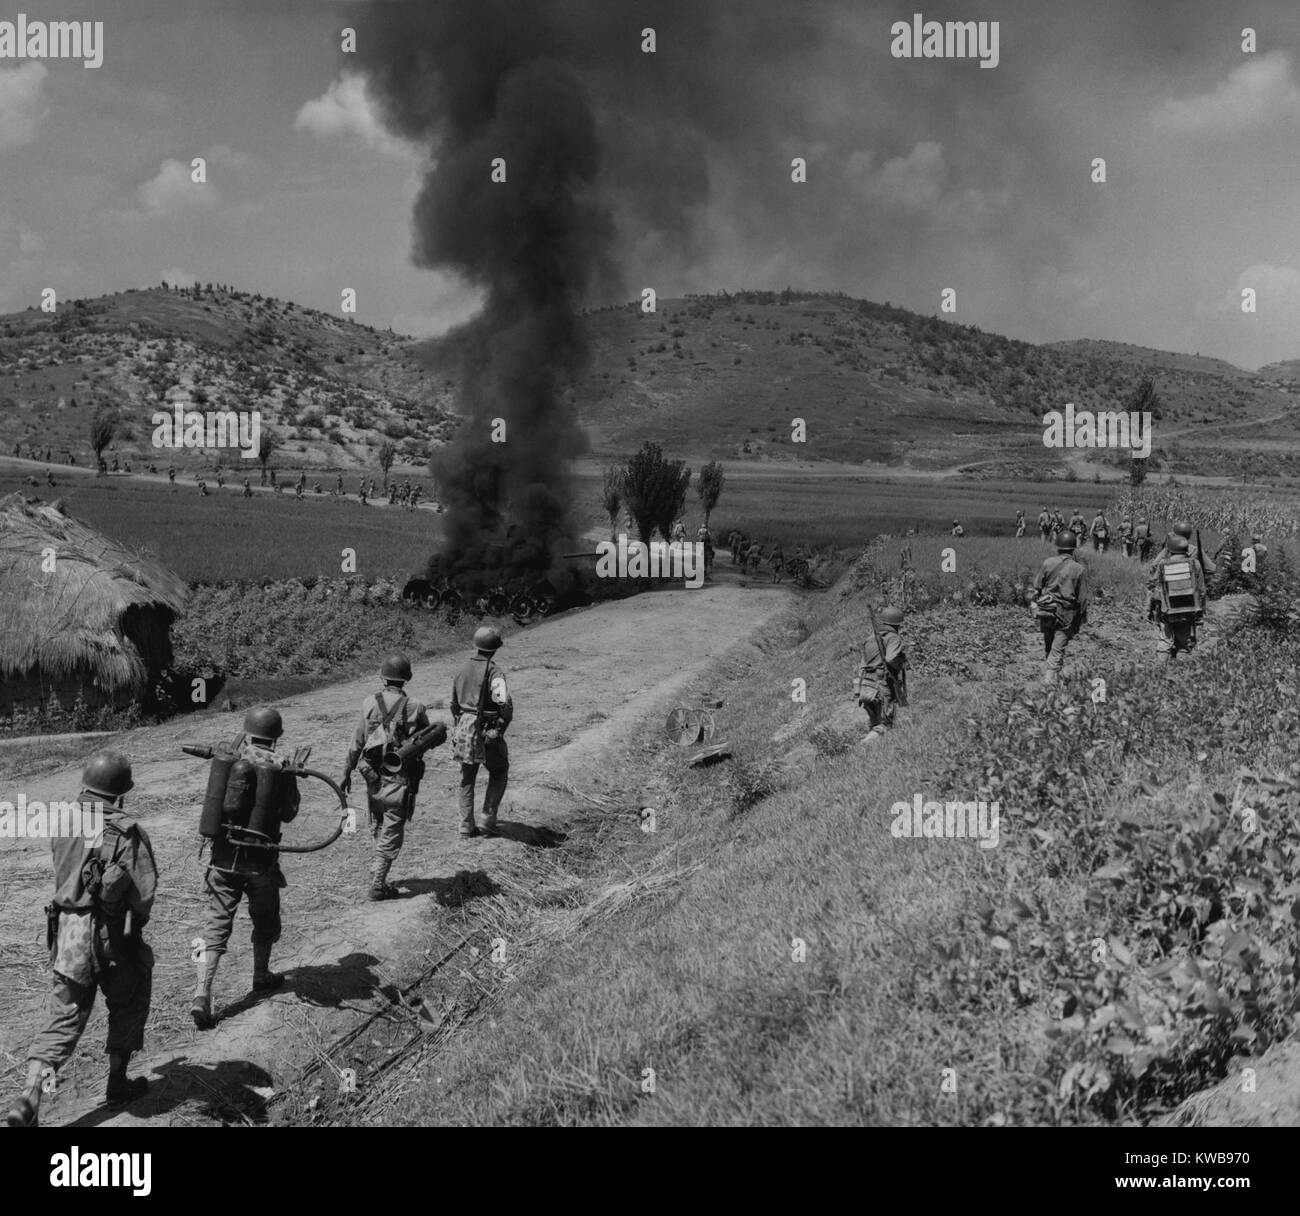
1020, 525
388, 815
99, 945
1045, 524
487, 746
1178, 633
882, 679
1100, 532
1061, 605
236, 873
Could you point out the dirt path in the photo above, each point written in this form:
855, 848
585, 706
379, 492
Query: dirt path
588, 686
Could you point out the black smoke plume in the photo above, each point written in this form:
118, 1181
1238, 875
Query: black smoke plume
608, 155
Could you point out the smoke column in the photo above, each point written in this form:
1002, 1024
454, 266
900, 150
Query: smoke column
473, 82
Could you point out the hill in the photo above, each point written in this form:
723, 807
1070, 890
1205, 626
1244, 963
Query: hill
721, 375
334, 389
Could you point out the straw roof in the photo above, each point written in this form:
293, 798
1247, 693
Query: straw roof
68, 623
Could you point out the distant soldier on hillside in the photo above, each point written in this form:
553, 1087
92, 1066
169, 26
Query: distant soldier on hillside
1100, 532
297, 491
171, 475
957, 529
316, 487
49, 479
704, 537
1126, 534
203, 488
221, 478
1078, 525
753, 557
416, 491
339, 489
776, 559
302, 483
18, 450
1142, 541
881, 685
1060, 603
48, 451
1020, 525
248, 489
115, 464
1176, 590
1045, 523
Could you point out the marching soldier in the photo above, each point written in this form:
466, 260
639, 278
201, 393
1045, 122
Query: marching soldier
302, 483
1184, 530
171, 475
754, 558
49, 479
1176, 600
1142, 540
103, 897
679, 530
1126, 534
203, 488
1020, 525
388, 717
248, 489
482, 709
234, 873
1078, 525
1060, 603
704, 537
416, 491
1045, 523
776, 559
1100, 532
221, 478
882, 677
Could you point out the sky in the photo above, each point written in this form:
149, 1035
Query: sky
923, 174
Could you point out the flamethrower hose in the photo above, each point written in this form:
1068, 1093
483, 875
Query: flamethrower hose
205, 753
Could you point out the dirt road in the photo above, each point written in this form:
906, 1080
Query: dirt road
590, 687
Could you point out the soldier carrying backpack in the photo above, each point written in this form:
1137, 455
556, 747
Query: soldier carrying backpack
1060, 603
1177, 597
388, 720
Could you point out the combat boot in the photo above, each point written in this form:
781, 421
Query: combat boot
264, 979
201, 1006
121, 1089
380, 887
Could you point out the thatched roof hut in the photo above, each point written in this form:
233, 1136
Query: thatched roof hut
96, 619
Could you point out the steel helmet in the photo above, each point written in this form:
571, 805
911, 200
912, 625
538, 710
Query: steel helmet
1256, 538
487, 638
263, 723
396, 667
107, 774
1066, 540
1183, 528
1177, 544
892, 616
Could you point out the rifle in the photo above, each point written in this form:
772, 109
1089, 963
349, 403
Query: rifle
479, 727
1200, 559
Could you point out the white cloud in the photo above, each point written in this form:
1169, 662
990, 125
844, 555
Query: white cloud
172, 191
21, 108
1277, 294
916, 181
345, 109
1064, 289
1254, 95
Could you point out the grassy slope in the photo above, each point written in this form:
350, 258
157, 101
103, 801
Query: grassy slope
699, 981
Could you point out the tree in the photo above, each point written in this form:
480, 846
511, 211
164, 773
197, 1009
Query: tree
103, 426
1146, 399
271, 442
611, 497
709, 488
654, 489
387, 454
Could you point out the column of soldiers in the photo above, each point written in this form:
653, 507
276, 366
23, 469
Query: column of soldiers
751, 556
104, 888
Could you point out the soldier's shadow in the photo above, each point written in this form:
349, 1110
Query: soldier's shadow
350, 978
453, 892
226, 1091
527, 833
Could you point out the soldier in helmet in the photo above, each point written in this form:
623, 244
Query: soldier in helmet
104, 885
1060, 602
1178, 626
388, 717
1142, 540
1184, 530
957, 529
882, 678
236, 872
1020, 525
482, 709
1045, 523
